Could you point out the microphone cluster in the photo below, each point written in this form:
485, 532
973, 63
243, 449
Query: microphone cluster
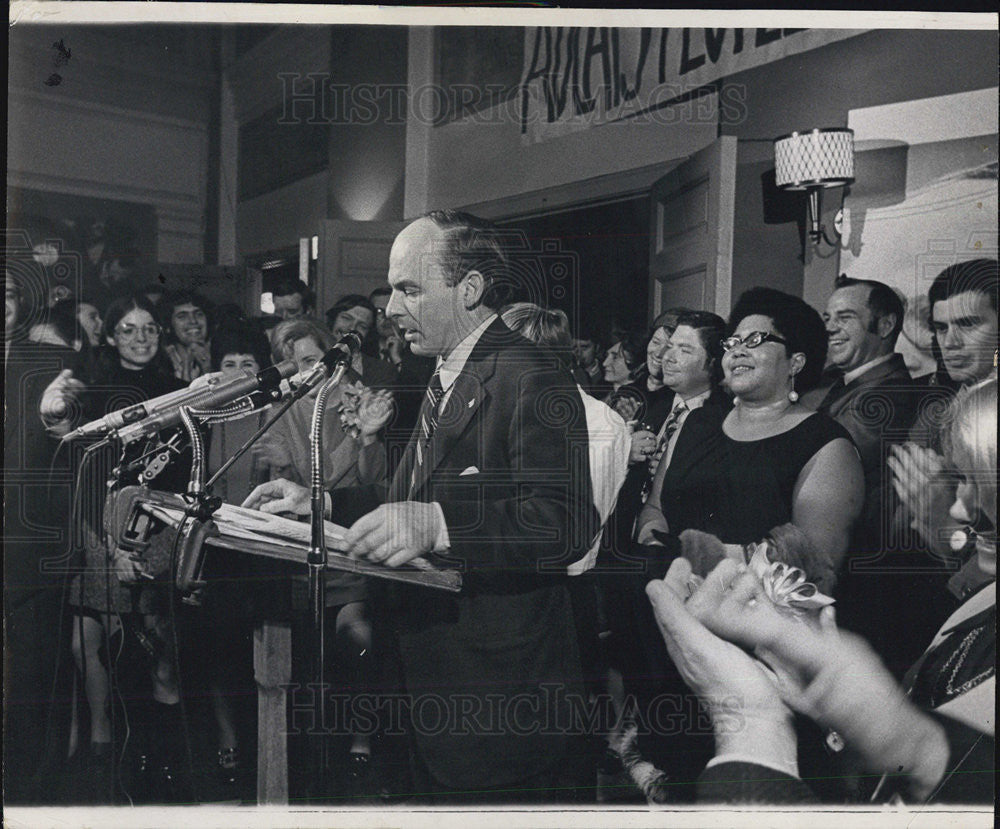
144, 419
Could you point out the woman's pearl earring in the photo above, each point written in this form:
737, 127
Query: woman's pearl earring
793, 396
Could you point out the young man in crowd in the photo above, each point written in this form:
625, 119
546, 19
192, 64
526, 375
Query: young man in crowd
963, 301
292, 299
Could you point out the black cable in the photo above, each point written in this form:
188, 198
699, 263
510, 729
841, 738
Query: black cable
171, 601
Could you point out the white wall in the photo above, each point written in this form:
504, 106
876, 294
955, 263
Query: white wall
475, 162
277, 219
126, 123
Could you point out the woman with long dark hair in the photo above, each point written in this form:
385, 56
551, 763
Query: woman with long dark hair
768, 462
129, 368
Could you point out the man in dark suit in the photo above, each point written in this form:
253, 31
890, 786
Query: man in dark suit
874, 397
495, 475
877, 402
35, 495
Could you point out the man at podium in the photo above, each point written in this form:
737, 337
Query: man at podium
496, 477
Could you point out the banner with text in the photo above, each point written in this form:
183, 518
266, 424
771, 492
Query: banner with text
578, 77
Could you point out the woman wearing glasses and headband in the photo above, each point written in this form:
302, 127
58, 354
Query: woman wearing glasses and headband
130, 368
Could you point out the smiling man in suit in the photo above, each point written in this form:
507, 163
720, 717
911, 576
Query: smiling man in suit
886, 588
874, 398
495, 475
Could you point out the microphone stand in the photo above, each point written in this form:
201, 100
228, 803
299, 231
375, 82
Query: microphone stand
286, 404
316, 562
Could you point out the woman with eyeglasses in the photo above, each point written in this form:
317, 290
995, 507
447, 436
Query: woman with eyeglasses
740, 475
769, 461
933, 737
129, 369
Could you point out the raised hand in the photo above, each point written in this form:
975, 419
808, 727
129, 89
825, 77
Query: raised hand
201, 355
731, 602
394, 348
374, 411
747, 712
58, 400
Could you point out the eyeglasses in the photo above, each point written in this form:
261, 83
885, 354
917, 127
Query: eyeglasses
752, 340
130, 332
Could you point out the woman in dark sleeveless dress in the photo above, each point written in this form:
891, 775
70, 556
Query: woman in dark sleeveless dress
767, 462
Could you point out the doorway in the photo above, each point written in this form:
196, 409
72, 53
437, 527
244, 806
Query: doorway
608, 259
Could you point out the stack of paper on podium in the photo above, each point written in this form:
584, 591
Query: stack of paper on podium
261, 534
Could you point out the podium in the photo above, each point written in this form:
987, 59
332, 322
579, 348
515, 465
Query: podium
132, 512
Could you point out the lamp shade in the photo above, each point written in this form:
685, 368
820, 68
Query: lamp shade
819, 158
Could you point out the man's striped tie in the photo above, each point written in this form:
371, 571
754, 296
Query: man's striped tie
662, 441
429, 414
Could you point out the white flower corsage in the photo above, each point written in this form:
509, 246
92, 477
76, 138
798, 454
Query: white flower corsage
784, 585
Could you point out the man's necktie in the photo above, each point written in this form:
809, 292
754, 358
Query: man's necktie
832, 395
429, 414
670, 425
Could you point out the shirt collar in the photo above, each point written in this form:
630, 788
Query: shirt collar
451, 367
855, 373
695, 402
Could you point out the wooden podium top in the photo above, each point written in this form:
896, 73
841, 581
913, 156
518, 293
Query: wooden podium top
261, 534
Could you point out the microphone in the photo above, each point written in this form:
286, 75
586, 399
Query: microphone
140, 411
219, 395
342, 353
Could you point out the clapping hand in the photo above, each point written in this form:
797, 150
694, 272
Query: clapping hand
364, 411
919, 480
829, 675
731, 602
626, 406
738, 690
374, 411
201, 355
394, 348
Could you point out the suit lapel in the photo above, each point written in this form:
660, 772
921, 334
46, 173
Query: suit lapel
464, 398
881, 372
400, 486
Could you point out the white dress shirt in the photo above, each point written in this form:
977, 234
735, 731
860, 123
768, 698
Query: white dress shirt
651, 509
855, 373
449, 368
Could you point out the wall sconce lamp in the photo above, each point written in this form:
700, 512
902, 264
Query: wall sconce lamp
814, 161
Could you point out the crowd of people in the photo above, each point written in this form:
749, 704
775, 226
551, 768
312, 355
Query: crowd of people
747, 560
